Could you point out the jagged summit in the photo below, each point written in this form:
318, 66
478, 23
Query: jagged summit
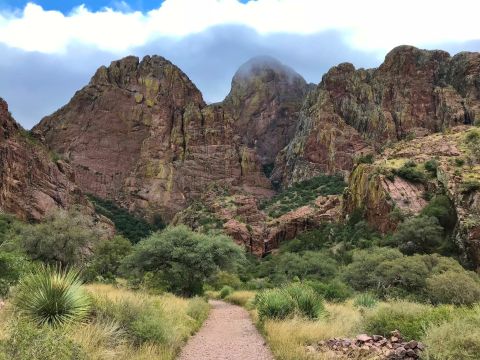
145, 78
265, 99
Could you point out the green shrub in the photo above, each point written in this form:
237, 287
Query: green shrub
303, 193
51, 296
441, 207
150, 326
431, 166
198, 310
28, 341
225, 291
364, 159
182, 259
222, 278
274, 304
7, 225
286, 266
472, 136
421, 234
411, 319
453, 287
61, 238
470, 186
457, 339
360, 274
307, 302
356, 233
459, 162
332, 291
410, 172
107, 258
12, 266
366, 300
142, 319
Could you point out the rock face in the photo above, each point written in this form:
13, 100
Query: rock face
264, 103
355, 111
379, 191
31, 183
240, 217
141, 134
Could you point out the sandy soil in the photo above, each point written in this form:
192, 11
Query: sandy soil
227, 334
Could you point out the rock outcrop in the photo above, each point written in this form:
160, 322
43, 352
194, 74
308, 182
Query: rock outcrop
32, 184
264, 104
353, 112
140, 133
379, 191
239, 216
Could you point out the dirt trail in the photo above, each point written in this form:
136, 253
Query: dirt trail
227, 334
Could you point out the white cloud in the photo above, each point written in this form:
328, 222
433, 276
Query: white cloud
374, 25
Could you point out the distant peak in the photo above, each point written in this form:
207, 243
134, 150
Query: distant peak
259, 65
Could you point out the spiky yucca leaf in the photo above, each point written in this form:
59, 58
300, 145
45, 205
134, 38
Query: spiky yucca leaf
52, 296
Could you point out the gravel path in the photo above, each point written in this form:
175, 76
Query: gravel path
227, 334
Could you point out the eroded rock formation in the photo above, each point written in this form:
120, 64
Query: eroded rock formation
351, 112
32, 184
141, 134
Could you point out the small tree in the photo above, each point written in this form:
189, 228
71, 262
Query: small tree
454, 287
64, 238
107, 258
422, 234
442, 208
182, 259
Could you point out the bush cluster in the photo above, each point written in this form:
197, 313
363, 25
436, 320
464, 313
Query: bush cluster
181, 260
294, 299
409, 171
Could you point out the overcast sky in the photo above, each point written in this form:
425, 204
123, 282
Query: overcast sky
50, 49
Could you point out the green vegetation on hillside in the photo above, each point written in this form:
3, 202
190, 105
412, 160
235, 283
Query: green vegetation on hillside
129, 225
303, 193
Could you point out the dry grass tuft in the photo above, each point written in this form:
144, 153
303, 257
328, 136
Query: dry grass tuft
242, 298
288, 338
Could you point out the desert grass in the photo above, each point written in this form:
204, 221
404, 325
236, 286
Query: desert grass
166, 322
288, 338
123, 325
242, 298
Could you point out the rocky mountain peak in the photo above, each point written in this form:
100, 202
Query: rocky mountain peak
406, 60
147, 78
265, 68
264, 101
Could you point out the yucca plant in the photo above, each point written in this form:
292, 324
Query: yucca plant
52, 296
274, 304
308, 302
366, 300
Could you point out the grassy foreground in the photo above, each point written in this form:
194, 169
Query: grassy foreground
123, 324
448, 332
